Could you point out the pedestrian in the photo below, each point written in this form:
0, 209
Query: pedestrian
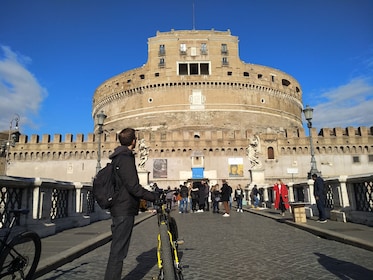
169, 197
281, 196
320, 196
194, 194
127, 204
183, 203
238, 196
215, 197
226, 192
255, 196
201, 196
207, 195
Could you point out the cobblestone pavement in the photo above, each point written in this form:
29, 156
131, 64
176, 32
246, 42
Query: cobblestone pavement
242, 246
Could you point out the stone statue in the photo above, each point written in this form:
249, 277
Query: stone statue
143, 150
252, 152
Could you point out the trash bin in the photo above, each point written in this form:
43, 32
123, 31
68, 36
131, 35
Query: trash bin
299, 212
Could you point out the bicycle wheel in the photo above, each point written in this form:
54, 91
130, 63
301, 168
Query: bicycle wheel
166, 254
21, 257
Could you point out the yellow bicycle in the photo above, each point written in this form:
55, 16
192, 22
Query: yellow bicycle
167, 250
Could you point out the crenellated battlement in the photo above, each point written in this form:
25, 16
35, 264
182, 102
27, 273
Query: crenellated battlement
350, 134
183, 142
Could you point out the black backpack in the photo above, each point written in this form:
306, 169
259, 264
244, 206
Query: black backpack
105, 186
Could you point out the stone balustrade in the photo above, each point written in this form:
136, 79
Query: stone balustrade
58, 205
54, 205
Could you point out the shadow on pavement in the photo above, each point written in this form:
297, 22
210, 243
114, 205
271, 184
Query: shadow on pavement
344, 270
146, 261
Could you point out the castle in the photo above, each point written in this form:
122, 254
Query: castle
200, 112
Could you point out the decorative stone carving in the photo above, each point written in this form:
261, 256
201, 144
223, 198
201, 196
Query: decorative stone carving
253, 151
144, 153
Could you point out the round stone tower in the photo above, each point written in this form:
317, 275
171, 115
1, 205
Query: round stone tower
195, 80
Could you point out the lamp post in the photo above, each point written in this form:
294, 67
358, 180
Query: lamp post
308, 114
13, 137
100, 122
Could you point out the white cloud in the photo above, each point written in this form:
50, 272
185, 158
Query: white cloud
20, 92
347, 105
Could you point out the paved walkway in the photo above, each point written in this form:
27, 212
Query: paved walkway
65, 246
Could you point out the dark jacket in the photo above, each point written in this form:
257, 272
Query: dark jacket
319, 188
238, 194
184, 192
226, 192
130, 191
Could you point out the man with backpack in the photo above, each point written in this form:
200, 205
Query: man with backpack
126, 204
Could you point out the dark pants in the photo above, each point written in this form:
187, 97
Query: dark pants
215, 206
282, 205
121, 229
207, 203
194, 204
320, 203
239, 202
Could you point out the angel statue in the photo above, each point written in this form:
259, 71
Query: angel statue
143, 149
252, 152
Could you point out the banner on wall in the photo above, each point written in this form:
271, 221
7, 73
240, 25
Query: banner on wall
160, 168
235, 166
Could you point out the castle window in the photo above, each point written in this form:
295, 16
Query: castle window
260, 76
246, 74
229, 73
161, 62
203, 48
370, 158
272, 78
142, 76
224, 49
162, 50
355, 159
204, 69
225, 61
183, 48
193, 68
270, 153
285, 82
183, 69
156, 74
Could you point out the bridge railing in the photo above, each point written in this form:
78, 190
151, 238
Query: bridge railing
348, 198
54, 205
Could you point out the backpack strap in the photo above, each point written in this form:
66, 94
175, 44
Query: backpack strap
115, 177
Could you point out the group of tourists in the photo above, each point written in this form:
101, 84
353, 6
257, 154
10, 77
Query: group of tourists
199, 195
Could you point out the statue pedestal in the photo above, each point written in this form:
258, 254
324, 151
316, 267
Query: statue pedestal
257, 177
143, 177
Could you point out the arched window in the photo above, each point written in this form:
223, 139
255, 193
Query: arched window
270, 153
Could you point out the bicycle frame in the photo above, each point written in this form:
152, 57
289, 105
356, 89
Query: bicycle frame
163, 220
162, 249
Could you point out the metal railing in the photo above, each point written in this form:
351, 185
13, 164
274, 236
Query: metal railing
50, 202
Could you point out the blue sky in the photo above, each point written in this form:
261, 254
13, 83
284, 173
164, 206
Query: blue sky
54, 54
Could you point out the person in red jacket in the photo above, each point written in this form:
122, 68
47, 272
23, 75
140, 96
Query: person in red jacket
281, 196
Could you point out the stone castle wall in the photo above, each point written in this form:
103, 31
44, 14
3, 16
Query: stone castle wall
74, 159
201, 86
